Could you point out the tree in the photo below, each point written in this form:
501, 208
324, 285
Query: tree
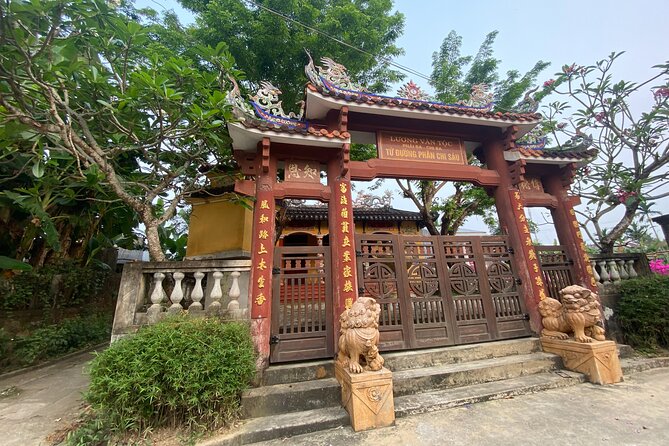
453, 76
49, 213
632, 166
267, 41
80, 79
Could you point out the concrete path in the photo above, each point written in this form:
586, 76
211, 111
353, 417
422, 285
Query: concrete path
33, 404
635, 412
631, 413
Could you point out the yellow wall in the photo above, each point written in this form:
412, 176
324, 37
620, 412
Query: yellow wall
218, 226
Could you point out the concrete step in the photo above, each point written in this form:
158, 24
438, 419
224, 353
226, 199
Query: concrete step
625, 351
395, 361
476, 393
282, 398
304, 422
321, 393
412, 381
639, 364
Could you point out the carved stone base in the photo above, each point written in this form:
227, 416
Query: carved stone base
597, 360
367, 397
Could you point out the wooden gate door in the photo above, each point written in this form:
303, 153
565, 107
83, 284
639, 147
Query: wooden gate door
556, 268
441, 290
380, 275
301, 304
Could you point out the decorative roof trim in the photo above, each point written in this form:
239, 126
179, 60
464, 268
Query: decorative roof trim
333, 78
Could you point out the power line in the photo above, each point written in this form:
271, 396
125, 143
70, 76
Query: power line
385, 59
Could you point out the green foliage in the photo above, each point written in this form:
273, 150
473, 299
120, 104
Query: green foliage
5, 348
140, 117
55, 340
180, 371
269, 47
630, 171
643, 311
9, 263
60, 285
453, 75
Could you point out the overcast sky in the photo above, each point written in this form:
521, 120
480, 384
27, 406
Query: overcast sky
561, 32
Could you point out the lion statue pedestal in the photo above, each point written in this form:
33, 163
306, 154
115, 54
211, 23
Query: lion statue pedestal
588, 352
366, 386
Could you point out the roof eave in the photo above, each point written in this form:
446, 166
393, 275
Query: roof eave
247, 138
317, 106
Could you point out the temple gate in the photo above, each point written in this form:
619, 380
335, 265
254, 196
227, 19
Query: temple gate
434, 290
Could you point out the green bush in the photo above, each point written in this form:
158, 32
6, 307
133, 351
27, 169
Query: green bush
643, 311
178, 372
69, 335
61, 285
5, 347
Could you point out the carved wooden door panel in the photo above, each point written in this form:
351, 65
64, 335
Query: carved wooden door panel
301, 304
380, 275
427, 293
510, 314
465, 269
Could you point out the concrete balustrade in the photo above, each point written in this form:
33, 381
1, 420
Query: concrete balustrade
151, 290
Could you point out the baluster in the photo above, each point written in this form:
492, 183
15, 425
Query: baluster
595, 274
623, 271
630, 269
177, 293
604, 272
197, 294
157, 297
216, 293
613, 270
234, 292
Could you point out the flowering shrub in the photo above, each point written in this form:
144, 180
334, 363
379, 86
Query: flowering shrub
659, 267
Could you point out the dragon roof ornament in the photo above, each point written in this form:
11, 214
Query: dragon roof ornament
535, 139
481, 98
332, 78
370, 201
264, 105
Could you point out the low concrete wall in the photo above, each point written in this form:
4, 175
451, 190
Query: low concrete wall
148, 292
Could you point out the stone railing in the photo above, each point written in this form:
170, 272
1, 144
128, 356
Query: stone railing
614, 268
151, 290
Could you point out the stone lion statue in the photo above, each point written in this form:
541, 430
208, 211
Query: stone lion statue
579, 313
359, 336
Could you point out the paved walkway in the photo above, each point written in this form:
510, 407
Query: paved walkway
635, 412
36, 403
631, 413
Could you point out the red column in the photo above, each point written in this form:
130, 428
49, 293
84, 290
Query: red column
513, 222
262, 254
342, 243
569, 233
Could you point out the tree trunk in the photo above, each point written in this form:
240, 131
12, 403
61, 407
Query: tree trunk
153, 240
607, 243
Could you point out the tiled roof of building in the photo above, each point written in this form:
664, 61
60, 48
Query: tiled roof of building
359, 214
307, 128
557, 153
412, 104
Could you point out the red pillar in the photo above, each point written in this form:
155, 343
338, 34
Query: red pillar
513, 222
342, 242
569, 233
262, 254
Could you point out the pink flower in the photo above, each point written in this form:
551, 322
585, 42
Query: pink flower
569, 69
659, 267
661, 93
549, 82
599, 117
562, 125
